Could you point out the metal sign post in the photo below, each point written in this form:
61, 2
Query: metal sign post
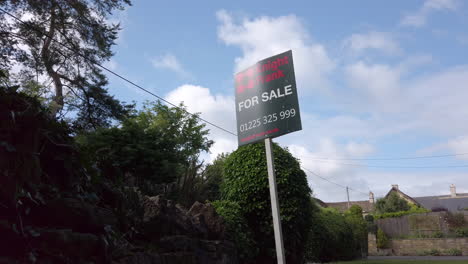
274, 202
266, 107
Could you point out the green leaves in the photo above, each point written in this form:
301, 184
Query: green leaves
154, 145
393, 203
246, 183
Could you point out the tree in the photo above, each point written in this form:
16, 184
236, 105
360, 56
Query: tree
245, 182
331, 237
359, 226
382, 239
59, 46
158, 144
209, 185
393, 203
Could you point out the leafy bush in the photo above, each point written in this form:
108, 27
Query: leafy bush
461, 232
246, 183
453, 252
437, 234
157, 145
332, 238
237, 229
413, 210
456, 220
434, 252
369, 218
392, 203
359, 227
382, 239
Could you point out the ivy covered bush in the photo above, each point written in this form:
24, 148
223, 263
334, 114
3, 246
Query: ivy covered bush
336, 236
246, 183
382, 239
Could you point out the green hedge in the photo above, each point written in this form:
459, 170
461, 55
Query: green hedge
336, 236
246, 183
412, 210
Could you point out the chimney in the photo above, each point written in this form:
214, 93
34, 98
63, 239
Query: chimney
453, 190
371, 197
395, 186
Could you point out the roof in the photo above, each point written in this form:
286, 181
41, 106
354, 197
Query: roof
343, 206
407, 197
445, 201
320, 202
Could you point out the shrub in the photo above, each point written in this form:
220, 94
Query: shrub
434, 252
456, 220
382, 239
413, 210
246, 183
437, 234
237, 229
453, 252
369, 218
331, 238
461, 232
392, 203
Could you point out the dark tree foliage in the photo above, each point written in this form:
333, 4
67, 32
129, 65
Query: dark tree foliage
159, 144
335, 236
246, 183
393, 203
59, 45
211, 179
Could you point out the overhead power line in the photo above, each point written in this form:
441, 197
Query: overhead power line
116, 74
393, 167
396, 158
325, 179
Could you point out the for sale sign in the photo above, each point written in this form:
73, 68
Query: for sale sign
266, 100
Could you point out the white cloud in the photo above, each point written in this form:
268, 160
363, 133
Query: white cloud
170, 62
378, 82
333, 171
419, 18
218, 109
382, 41
266, 36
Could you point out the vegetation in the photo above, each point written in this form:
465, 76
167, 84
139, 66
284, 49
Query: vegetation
461, 232
58, 49
412, 210
238, 229
337, 236
157, 145
382, 239
211, 179
246, 183
456, 220
391, 204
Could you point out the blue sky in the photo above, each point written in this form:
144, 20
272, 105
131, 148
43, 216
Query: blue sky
376, 79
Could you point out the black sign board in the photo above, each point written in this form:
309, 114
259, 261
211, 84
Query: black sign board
266, 100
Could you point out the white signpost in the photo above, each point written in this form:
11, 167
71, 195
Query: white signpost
267, 106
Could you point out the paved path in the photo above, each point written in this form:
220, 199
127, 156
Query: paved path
420, 257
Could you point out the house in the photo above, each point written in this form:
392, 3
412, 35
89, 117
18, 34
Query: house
452, 202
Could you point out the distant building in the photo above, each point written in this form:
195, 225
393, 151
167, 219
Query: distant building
452, 202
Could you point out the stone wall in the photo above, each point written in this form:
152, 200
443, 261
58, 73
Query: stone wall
412, 247
372, 245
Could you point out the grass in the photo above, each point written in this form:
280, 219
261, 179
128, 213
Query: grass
400, 261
